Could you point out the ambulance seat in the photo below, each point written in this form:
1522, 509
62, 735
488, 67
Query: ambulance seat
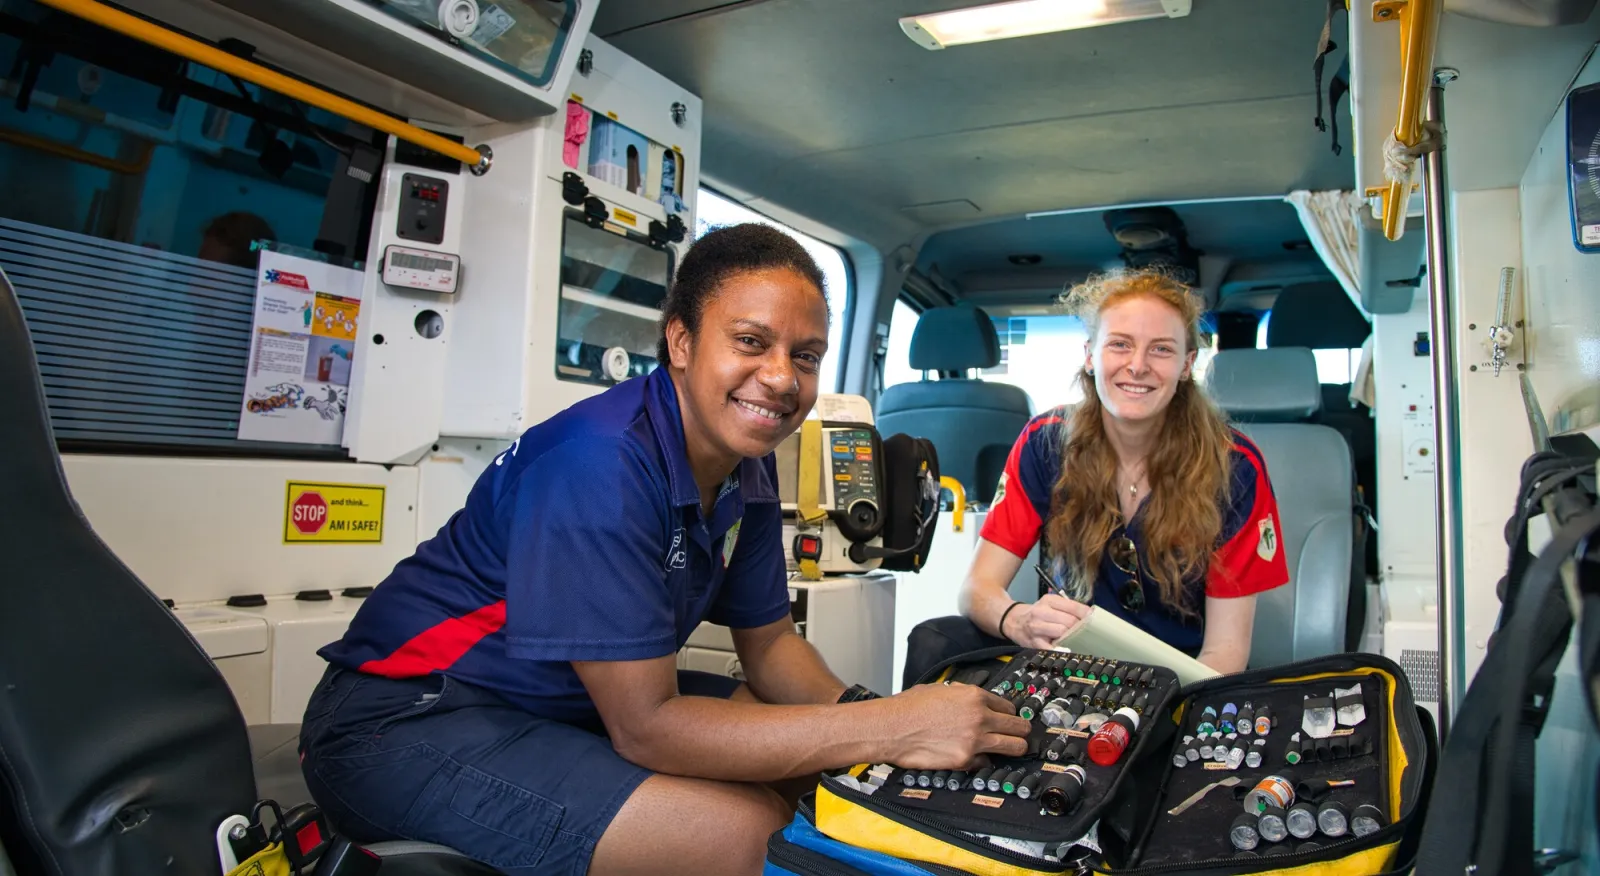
1272, 395
121, 746
970, 422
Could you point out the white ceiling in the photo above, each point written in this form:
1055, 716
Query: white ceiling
825, 108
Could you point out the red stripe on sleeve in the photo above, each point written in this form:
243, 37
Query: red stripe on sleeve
1013, 522
1253, 560
441, 645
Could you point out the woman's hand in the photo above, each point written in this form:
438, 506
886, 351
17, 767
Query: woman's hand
952, 726
1043, 623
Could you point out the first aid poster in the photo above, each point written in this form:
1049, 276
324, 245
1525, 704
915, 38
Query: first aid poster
302, 345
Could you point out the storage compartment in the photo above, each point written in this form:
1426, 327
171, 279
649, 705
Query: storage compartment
612, 286
510, 60
240, 646
299, 628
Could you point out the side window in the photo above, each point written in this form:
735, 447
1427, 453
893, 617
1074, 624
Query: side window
1333, 366
897, 365
716, 211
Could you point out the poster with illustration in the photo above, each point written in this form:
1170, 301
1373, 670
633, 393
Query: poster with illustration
301, 346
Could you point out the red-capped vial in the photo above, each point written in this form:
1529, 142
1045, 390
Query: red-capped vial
1108, 743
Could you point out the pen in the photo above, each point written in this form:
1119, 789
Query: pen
1049, 582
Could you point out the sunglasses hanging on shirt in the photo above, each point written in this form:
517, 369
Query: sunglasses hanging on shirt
1125, 556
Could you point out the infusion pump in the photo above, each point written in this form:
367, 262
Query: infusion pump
839, 454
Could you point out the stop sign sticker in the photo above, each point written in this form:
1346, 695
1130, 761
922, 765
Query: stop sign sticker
309, 513
324, 513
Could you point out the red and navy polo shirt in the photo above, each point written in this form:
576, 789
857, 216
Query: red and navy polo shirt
1249, 557
583, 541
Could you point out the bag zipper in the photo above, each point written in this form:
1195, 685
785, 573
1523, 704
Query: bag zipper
780, 846
914, 818
806, 861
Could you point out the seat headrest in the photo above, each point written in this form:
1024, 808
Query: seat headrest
954, 339
1266, 386
1316, 315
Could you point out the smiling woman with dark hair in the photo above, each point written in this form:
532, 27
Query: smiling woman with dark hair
511, 689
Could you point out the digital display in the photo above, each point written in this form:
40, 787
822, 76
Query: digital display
420, 263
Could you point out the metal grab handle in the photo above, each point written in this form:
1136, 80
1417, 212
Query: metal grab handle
478, 160
1419, 34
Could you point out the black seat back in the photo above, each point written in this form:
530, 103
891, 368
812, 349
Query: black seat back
121, 748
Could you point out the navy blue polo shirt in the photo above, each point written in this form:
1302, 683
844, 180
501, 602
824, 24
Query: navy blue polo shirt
584, 541
1248, 559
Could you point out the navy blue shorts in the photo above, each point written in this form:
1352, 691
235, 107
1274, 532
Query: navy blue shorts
437, 760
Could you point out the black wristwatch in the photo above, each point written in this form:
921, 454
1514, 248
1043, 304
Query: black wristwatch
855, 693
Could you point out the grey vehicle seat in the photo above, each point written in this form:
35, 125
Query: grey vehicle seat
1272, 395
970, 422
121, 746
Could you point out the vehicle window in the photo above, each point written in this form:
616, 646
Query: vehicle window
897, 364
136, 185
715, 211
1038, 354
1337, 366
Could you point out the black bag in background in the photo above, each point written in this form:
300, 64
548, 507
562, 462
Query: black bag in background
1481, 817
911, 489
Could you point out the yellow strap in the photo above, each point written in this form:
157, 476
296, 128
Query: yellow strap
270, 861
811, 515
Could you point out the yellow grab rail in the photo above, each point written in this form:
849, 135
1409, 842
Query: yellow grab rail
478, 160
1419, 34
959, 504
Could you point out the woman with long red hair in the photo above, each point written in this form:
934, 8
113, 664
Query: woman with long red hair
1148, 503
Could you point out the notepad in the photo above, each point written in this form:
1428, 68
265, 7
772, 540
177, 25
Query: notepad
1103, 634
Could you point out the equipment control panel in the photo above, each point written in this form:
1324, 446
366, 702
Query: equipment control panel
423, 200
854, 468
422, 269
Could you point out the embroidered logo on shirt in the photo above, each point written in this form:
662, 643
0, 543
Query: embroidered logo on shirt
999, 491
729, 540
677, 557
510, 452
1267, 546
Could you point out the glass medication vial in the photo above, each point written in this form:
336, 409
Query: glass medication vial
1302, 820
1333, 819
1064, 791
1272, 825
1270, 791
1243, 834
1366, 819
1108, 743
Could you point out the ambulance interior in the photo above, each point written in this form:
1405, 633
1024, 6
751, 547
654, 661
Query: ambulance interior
503, 191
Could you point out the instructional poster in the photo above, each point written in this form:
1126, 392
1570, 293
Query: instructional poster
301, 346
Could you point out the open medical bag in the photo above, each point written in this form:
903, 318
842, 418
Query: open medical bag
1356, 775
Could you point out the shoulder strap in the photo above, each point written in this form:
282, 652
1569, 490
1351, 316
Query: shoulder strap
1481, 815
809, 496
1325, 46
